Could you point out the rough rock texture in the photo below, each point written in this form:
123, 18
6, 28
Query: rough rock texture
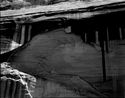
13, 4
17, 4
58, 52
55, 56
15, 84
40, 2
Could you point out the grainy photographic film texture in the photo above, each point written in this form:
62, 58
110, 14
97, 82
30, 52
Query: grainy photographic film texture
62, 48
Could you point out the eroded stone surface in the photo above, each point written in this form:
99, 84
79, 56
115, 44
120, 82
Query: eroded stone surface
53, 53
58, 52
15, 84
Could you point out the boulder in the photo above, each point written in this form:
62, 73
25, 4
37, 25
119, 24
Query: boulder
56, 55
58, 52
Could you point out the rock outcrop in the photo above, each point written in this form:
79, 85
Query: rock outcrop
7, 45
57, 52
61, 58
15, 84
13, 4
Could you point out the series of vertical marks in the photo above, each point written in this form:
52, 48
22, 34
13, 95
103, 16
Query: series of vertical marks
12, 89
3, 87
13, 84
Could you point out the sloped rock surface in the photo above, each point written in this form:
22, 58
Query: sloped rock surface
54, 54
58, 52
16, 84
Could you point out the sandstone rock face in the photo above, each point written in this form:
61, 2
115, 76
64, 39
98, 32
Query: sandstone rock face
15, 84
45, 88
56, 55
13, 4
58, 52
72, 86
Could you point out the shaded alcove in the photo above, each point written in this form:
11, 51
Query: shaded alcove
106, 31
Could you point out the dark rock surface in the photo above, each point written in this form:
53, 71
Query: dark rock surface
16, 84
61, 58
58, 52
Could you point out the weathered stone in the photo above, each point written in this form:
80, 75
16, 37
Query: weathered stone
45, 88
13, 4
15, 84
53, 53
58, 52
